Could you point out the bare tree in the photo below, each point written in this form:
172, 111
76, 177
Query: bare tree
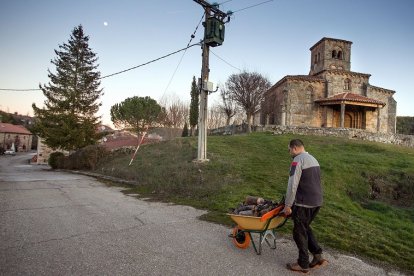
176, 112
215, 118
247, 89
228, 105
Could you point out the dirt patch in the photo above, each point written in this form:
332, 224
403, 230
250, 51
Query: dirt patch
395, 188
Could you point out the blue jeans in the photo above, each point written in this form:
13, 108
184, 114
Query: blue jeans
302, 233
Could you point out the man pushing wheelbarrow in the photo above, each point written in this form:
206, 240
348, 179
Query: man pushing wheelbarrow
302, 202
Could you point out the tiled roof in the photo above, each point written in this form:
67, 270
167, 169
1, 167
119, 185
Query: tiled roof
381, 89
298, 78
332, 39
343, 72
9, 128
350, 97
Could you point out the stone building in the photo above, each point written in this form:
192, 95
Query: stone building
16, 136
331, 95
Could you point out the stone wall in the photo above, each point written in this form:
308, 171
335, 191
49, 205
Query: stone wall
351, 133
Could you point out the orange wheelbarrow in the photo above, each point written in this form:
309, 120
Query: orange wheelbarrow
265, 226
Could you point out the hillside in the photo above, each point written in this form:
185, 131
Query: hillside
368, 187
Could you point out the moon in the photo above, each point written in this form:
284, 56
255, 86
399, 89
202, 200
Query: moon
105, 23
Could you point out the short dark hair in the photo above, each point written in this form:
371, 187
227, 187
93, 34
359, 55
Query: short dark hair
296, 143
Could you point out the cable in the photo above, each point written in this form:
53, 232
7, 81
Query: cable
179, 63
225, 61
225, 2
261, 3
123, 71
12, 89
151, 61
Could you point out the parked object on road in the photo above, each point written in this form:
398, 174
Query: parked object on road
10, 152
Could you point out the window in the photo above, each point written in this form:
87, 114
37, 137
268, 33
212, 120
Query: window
337, 54
347, 84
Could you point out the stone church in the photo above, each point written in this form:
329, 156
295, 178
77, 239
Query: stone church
331, 95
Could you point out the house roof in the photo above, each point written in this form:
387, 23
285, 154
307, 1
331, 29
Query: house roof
349, 97
9, 128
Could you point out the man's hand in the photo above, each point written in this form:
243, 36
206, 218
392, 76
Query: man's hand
287, 210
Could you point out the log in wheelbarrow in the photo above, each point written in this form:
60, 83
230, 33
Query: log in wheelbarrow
265, 226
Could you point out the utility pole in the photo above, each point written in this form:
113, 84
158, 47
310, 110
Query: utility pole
213, 36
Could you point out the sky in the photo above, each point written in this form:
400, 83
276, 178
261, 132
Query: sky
272, 38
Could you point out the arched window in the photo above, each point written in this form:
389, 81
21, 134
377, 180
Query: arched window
334, 54
347, 84
339, 55
319, 57
315, 60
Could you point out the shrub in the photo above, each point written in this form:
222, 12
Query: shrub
85, 158
56, 160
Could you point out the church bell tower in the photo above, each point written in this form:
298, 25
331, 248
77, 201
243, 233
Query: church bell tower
330, 54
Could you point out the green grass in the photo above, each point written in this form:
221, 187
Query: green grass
376, 225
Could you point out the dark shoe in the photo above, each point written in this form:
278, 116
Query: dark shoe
297, 268
317, 261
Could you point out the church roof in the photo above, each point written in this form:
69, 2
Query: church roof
348, 97
332, 39
298, 78
343, 72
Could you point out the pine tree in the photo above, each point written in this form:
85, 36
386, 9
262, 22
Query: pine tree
194, 106
68, 119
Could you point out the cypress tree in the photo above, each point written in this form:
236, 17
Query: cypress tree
68, 119
185, 130
194, 106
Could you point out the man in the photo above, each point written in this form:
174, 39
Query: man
302, 201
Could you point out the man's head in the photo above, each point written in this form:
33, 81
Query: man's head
296, 147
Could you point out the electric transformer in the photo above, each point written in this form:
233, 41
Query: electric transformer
213, 32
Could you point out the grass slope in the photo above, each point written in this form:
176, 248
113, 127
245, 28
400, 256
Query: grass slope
368, 187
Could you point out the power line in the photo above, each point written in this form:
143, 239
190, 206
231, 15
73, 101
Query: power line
181, 59
151, 61
249, 7
117, 73
226, 61
12, 89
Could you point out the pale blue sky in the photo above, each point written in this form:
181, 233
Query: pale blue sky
272, 39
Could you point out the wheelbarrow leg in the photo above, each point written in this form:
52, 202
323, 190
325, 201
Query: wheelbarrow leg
258, 251
272, 235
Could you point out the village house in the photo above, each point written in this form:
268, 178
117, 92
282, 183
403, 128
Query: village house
15, 135
331, 95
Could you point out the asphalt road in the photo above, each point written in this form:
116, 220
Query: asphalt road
59, 223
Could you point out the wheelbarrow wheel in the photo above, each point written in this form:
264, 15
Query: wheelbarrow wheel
240, 238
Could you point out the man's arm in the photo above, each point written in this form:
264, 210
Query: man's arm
294, 178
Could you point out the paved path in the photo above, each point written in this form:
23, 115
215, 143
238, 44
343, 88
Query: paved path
57, 223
